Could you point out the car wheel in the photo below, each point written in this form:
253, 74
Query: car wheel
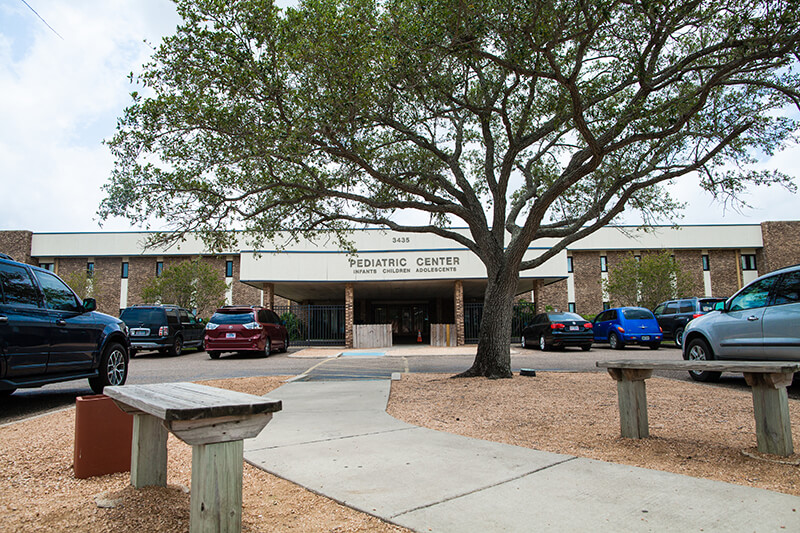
614, 342
654, 346
679, 337
523, 342
543, 346
113, 368
698, 350
285, 345
214, 355
267, 348
586, 347
202, 346
177, 346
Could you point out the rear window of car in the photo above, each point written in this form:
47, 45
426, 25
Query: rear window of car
232, 318
145, 315
706, 306
565, 316
637, 314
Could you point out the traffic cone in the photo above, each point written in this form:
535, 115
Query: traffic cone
419, 336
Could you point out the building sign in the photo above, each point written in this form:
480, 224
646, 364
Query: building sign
405, 265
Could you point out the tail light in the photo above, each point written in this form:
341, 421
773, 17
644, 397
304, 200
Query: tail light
557, 326
696, 315
163, 331
588, 325
252, 325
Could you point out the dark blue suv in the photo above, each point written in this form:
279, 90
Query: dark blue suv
47, 334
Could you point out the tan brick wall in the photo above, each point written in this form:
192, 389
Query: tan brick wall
724, 272
691, 261
556, 296
781, 245
106, 284
17, 244
140, 271
588, 291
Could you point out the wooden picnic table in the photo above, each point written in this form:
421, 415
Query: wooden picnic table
214, 422
767, 379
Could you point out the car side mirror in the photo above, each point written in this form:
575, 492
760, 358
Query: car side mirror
719, 306
199, 320
89, 304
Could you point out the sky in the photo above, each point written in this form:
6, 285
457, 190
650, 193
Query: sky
64, 82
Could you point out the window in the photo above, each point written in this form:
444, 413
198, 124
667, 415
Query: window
706, 264
228, 269
90, 270
603, 263
57, 295
569, 264
671, 309
184, 316
789, 290
659, 310
637, 258
124, 274
159, 267
606, 305
47, 266
17, 287
686, 306
755, 295
571, 307
749, 262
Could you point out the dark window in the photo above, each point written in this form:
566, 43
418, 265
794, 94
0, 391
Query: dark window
755, 295
56, 293
184, 315
671, 309
159, 267
144, 315
232, 318
603, 263
637, 314
47, 266
788, 291
172, 317
228, 269
706, 306
686, 306
637, 258
569, 263
555, 317
124, 274
571, 307
749, 262
90, 269
706, 264
659, 310
266, 316
17, 286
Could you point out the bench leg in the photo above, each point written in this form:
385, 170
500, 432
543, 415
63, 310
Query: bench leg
771, 409
216, 499
632, 397
148, 452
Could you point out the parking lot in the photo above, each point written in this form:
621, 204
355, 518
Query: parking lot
153, 367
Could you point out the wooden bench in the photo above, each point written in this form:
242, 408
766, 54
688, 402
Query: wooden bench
768, 381
214, 422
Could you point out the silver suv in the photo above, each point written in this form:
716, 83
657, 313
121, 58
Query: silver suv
760, 322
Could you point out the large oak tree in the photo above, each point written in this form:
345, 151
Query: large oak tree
518, 119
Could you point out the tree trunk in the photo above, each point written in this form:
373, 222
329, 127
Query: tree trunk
493, 359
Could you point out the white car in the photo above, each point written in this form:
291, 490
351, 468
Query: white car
760, 322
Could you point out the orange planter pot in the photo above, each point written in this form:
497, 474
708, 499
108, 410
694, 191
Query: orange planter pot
103, 436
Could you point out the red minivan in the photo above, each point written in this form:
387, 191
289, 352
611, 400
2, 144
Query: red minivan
245, 329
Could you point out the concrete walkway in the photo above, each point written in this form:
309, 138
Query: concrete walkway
335, 438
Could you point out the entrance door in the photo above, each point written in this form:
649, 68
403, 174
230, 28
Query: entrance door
410, 323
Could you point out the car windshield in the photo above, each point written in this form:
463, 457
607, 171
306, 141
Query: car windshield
565, 316
637, 314
233, 318
708, 305
143, 315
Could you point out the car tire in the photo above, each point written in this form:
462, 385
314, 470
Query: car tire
698, 350
523, 342
267, 348
543, 346
177, 346
586, 347
214, 355
285, 345
679, 337
113, 368
654, 345
202, 346
615, 342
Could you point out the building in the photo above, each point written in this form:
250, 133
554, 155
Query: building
413, 282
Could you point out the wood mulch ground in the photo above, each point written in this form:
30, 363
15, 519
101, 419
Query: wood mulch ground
697, 430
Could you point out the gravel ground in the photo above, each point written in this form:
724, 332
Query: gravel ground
696, 430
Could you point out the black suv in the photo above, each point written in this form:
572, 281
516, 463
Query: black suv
673, 315
47, 334
166, 328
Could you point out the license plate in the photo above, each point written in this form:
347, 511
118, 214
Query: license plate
574, 328
645, 337
230, 335
140, 332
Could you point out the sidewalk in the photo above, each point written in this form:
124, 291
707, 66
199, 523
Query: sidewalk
336, 439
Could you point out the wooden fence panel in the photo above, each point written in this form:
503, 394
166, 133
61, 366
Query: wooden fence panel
372, 335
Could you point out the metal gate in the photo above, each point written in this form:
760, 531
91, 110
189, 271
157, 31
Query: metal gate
314, 325
473, 312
